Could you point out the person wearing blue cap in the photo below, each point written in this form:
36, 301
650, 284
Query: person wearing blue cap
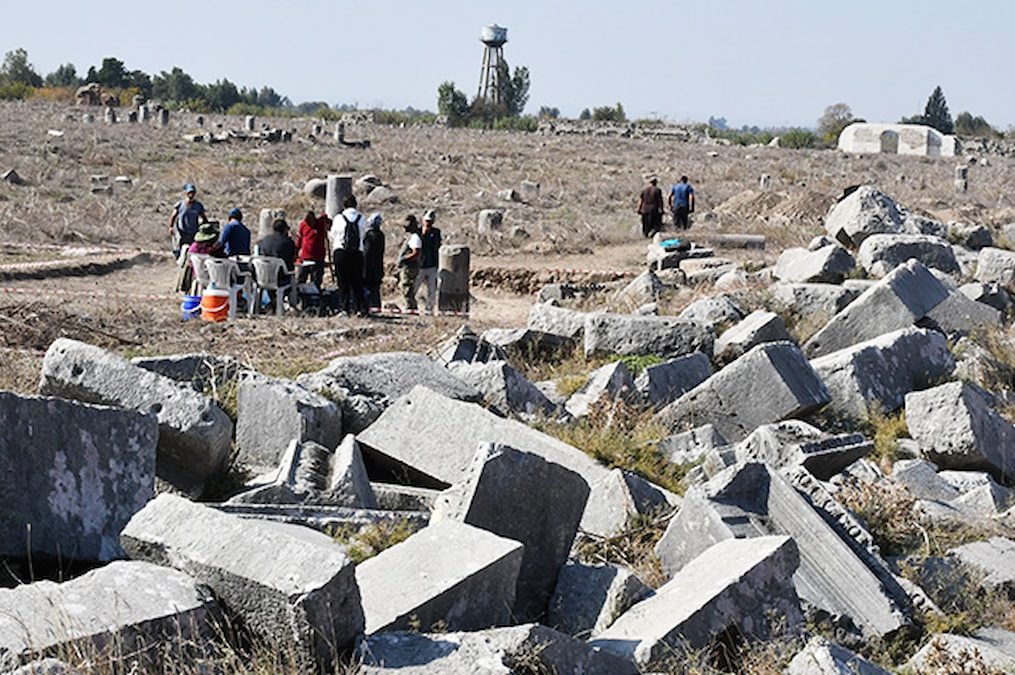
188, 214
235, 237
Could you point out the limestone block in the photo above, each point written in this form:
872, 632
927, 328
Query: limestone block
504, 389
907, 294
549, 318
957, 429
713, 311
992, 295
143, 610
607, 334
920, 477
737, 582
756, 328
273, 412
194, 433
589, 598
689, 446
643, 289
814, 300
829, 264
661, 384
619, 496
730, 400
71, 476
521, 496
290, 585
821, 657
367, 384
524, 344
750, 500
879, 254
989, 649
880, 372
864, 212
612, 381
202, 371
497, 651
993, 559
451, 574
996, 266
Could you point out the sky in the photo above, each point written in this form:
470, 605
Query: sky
775, 63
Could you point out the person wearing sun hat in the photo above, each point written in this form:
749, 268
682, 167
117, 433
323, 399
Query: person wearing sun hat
206, 240
187, 214
431, 240
235, 237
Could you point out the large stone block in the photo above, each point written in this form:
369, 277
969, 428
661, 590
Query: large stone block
879, 254
690, 446
272, 413
288, 584
957, 429
908, 293
451, 574
612, 381
608, 334
529, 648
828, 264
521, 496
751, 500
735, 583
201, 370
993, 560
757, 328
663, 383
505, 389
589, 598
879, 373
716, 310
958, 315
549, 318
990, 650
814, 300
996, 266
864, 212
619, 496
821, 657
194, 433
368, 384
643, 289
732, 400
133, 613
71, 476
526, 344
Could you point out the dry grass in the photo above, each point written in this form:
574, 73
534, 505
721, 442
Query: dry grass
633, 547
365, 542
887, 429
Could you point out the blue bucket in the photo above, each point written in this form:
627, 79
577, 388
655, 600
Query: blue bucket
191, 306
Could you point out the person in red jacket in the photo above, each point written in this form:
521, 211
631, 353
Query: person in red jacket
312, 246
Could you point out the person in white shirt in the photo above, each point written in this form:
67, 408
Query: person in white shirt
408, 261
346, 235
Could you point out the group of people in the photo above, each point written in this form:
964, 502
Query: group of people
354, 243
650, 205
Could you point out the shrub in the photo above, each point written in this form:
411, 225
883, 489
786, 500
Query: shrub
15, 91
799, 138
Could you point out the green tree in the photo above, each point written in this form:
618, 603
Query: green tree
516, 91
17, 70
585, 114
175, 85
139, 80
936, 114
608, 114
452, 104
64, 76
547, 112
968, 125
112, 73
222, 95
835, 118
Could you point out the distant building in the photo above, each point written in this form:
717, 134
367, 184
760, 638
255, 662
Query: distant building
897, 139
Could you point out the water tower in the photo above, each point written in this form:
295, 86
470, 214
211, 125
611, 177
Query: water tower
491, 89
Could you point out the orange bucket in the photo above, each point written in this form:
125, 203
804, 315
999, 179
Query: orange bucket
215, 305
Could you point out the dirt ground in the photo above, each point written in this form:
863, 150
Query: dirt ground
582, 224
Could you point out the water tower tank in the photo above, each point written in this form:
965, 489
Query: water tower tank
493, 35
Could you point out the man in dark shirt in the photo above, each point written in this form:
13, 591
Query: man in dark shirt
650, 206
428, 260
279, 244
235, 237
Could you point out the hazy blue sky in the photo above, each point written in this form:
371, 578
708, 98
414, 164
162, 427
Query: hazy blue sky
767, 63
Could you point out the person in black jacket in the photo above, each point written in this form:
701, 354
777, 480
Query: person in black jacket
279, 244
373, 260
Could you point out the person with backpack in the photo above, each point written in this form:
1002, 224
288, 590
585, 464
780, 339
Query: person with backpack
347, 233
373, 260
431, 239
408, 262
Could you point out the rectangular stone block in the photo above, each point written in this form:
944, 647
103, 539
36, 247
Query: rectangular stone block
663, 383
521, 496
771, 382
272, 413
133, 613
626, 335
290, 585
448, 574
71, 476
734, 583
194, 433
554, 320
589, 598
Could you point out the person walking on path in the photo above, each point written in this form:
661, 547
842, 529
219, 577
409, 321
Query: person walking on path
312, 247
408, 262
235, 237
347, 251
650, 207
188, 214
681, 201
373, 261
431, 238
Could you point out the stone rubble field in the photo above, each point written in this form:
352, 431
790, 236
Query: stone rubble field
802, 465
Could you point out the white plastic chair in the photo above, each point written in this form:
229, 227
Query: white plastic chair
225, 274
201, 278
266, 270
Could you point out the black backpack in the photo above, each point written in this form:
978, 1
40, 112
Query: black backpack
350, 238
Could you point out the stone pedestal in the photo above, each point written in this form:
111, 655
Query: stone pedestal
163, 118
144, 113
249, 123
340, 132
268, 216
338, 188
453, 279
110, 116
961, 178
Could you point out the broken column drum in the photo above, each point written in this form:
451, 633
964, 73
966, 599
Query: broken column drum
338, 188
340, 132
453, 279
